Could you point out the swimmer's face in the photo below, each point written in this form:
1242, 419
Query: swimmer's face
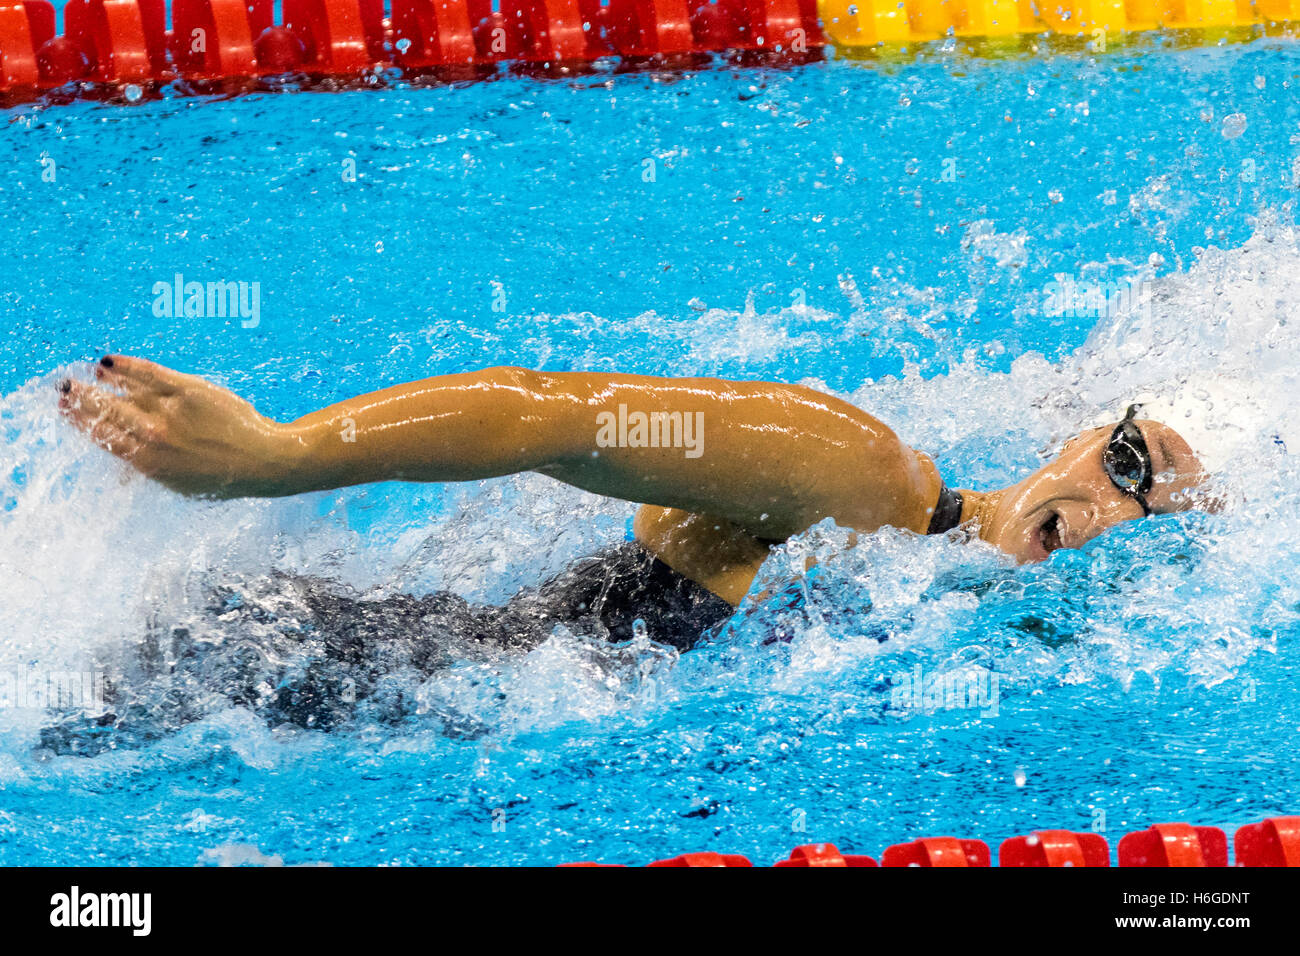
1072, 500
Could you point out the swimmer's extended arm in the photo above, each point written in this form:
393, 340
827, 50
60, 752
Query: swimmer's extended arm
774, 459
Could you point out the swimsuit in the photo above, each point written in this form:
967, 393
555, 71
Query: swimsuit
607, 593
602, 596
296, 650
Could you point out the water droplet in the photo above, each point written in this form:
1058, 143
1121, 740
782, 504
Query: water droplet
1234, 125
132, 93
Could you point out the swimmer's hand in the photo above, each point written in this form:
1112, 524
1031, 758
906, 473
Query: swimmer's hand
195, 437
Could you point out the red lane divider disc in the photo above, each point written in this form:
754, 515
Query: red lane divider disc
216, 38
704, 859
124, 40
666, 27
1174, 844
1055, 848
723, 25
823, 854
587, 863
25, 27
432, 33
555, 29
497, 38
774, 23
338, 36
1274, 842
937, 851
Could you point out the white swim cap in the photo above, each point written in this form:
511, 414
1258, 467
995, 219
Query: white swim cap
1221, 416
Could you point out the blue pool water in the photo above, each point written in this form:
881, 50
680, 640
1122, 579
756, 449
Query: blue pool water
886, 231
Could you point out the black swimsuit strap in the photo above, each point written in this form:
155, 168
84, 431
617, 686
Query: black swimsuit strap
947, 511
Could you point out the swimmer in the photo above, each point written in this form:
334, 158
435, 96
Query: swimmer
722, 470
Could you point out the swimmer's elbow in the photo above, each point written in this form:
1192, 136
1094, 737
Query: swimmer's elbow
538, 421
516, 380
533, 415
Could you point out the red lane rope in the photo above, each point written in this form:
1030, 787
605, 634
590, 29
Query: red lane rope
1272, 842
129, 41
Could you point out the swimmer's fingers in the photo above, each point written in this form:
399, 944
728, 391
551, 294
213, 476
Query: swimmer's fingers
82, 404
112, 422
138, 392
114, 440
139, 377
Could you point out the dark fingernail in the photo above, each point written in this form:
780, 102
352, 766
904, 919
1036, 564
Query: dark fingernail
106, 361
65, 386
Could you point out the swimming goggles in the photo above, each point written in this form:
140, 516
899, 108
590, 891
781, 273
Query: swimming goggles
1127, 460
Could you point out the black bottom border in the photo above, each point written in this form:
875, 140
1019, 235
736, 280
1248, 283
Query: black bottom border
325, 905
